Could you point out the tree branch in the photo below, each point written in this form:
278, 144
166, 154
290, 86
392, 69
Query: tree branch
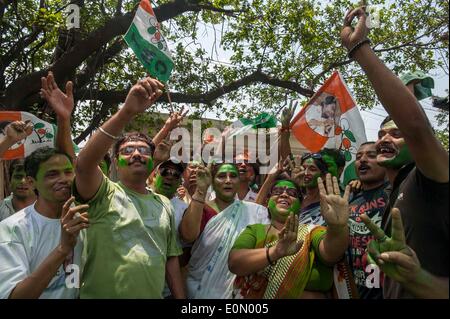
205, 98
210, 7
28, 85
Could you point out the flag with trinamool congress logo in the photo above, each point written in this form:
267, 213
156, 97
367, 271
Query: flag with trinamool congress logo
331, 119
145, 39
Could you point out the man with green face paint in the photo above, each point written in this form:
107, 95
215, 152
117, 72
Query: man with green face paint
22, 191
166, 182
132, 244
417, 167
39, 245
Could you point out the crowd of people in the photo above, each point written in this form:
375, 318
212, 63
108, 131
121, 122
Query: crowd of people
167, 229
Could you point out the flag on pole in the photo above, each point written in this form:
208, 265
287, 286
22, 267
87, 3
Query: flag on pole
145, 39
43, 134
331, 119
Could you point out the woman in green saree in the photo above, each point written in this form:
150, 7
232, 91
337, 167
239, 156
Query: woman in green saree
289, 260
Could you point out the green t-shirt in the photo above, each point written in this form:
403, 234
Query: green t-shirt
321, 278
127, 244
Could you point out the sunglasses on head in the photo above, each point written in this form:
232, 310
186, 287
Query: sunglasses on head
277, 191
166, 171
311, 155
128, 150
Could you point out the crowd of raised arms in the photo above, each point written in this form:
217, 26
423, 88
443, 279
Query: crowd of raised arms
221, 230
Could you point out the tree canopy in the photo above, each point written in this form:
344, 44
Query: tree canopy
277, 50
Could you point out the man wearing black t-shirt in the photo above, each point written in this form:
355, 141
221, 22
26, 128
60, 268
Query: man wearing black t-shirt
416, 260
372, 201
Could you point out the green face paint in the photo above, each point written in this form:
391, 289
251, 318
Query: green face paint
403, 158
282, 216
228, 168
104, 167
161, 189
122, 162
293, 209
287, 184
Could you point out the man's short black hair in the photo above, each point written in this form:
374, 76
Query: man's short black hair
16, 164
134, 137
329, 100
39, 156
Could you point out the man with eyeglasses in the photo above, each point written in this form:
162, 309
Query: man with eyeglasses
132, 243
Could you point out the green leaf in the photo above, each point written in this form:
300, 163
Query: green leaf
49, 135
348, 156
39, 125
350, 136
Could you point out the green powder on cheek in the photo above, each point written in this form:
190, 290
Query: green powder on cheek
159, 180
403, 158
293, 209
122, 162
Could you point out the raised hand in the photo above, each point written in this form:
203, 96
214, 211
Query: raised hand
175, 119
391, 254
334, 208
61, 103
287, 244
287, 115
18, 130
181, 192
142, 95
351, 36
297, 171
162, 151
72, 221
203, 178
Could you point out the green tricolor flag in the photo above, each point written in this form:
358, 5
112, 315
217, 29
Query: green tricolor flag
145, 39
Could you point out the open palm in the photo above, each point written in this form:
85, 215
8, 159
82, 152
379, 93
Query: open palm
62, 103
287, 244
333, 207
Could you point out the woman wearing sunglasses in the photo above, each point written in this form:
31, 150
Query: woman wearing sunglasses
287, 259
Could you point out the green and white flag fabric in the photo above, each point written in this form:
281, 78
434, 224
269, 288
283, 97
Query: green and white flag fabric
145, 39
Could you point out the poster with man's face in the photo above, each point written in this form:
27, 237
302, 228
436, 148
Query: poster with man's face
324, 115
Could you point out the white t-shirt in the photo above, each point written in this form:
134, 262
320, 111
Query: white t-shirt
6, 208
26, 240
